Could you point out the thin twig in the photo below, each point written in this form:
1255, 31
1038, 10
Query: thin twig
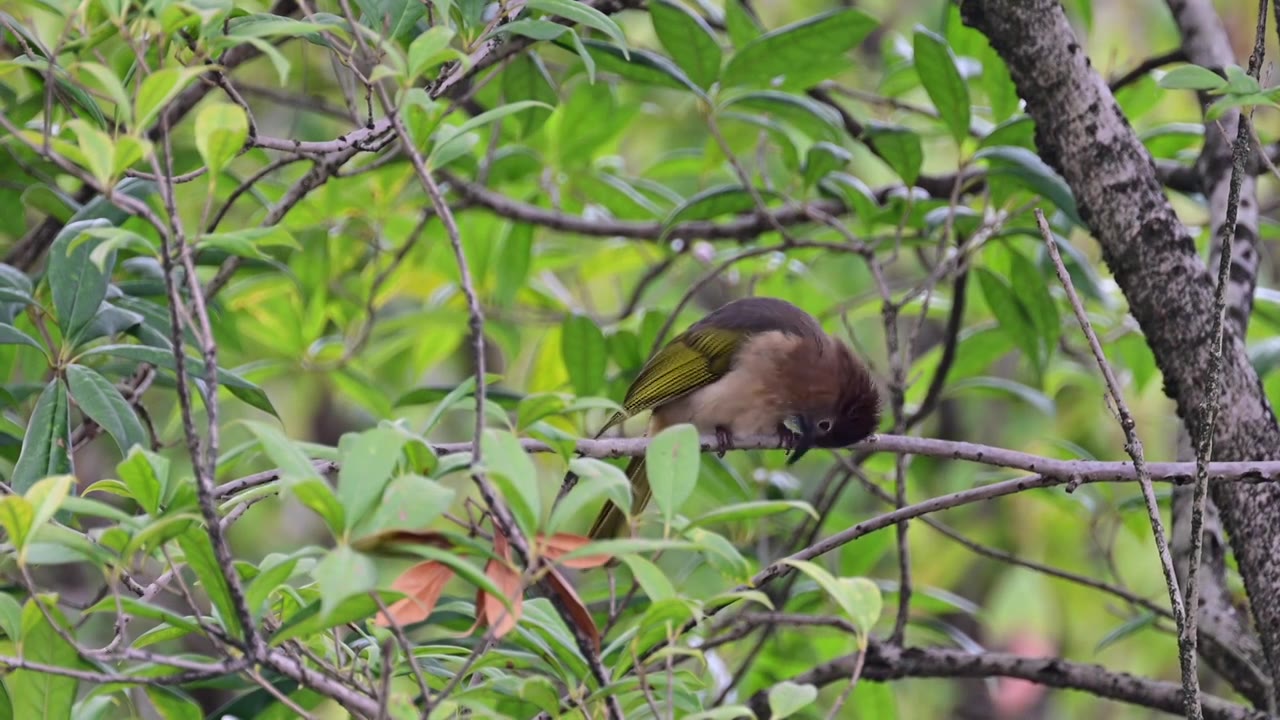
1208, 412
1133, 445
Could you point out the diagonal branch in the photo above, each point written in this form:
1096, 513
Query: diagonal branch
1133, 445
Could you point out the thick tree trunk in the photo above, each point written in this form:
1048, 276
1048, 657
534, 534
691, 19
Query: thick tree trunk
1081, 132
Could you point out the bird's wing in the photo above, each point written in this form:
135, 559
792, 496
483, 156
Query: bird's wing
693, 359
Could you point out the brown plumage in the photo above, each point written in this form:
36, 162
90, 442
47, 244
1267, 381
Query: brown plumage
752, 367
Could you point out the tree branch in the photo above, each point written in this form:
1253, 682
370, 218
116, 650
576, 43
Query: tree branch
885, 662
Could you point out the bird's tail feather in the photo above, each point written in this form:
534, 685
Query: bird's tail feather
611, 519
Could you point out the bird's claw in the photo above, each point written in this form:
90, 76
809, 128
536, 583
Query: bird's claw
724, 440
787, 439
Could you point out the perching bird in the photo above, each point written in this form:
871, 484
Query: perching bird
752, 367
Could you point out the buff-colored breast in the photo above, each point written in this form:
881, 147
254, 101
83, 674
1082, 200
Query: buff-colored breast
746, 400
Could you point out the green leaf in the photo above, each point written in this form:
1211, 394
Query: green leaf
1006, 387
411, 502
395, 19
585, 353
171, 704
1026, 168
597, 479
98, 398
46, 445
159, 88
582, 13
788, 698
16, 516
78, 285
197, 552
854, 194
39, 694
15, 286
1240, 82
10, 335
752, 510
688, 39
238, 386
672, 460
637, 65
369, 461
517, 258
221, 130
513, 471
273, 573
10, 617
113, 88
534, 29
588, 120
900, 149
146, 475
794, 47
1001, 92
448, 136
46, 497
1129, 627
343, 572
740, 23
141, 608
629, 546
822, 159
652, 580
309, 621
815, 119
525, 78
1192, 77
429, 49
264, 25
1014, 319
299, 476
714, 202
864, 602
936, 65
1033, 294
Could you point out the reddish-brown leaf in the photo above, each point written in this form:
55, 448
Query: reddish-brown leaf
562, 544
422, 585
370, 543
573, 603
507, 578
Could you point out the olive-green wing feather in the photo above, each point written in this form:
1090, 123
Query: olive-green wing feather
693, 359
611, 520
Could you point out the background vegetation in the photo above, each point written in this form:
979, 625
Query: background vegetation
351, 210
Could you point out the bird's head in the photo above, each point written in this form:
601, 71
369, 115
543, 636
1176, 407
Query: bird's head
840, 403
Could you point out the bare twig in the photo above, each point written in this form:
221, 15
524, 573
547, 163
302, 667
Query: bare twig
885, 662
1133, 445
1208, 412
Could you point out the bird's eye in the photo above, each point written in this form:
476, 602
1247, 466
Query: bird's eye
824, 425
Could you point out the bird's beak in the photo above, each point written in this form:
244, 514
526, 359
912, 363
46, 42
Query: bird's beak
800, 425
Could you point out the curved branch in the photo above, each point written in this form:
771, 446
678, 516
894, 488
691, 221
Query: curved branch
884, 662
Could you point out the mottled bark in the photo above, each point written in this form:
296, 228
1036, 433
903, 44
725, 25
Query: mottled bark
885, 662
1226, 643
1081, 132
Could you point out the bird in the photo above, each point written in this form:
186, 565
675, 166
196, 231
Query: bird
753, 366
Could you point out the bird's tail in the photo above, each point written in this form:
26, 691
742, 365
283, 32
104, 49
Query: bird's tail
611, 519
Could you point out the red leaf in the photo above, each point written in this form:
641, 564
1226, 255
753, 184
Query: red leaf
562, 544
422, 584
503, 574
377, 540
573, 603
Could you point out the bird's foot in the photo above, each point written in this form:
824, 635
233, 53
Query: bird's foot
787, 438
724, 440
